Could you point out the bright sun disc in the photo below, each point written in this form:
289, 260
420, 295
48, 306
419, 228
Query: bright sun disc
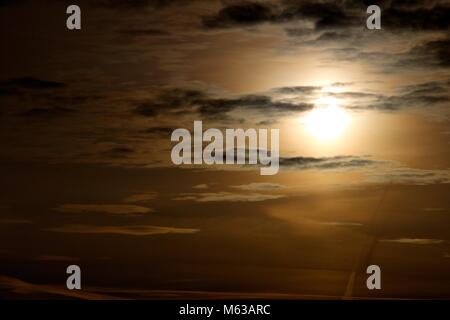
327, 121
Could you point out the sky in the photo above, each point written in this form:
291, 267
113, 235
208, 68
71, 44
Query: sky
86, 120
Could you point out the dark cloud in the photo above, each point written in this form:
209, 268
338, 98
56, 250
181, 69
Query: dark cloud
268, 122
262, 103
355, 95
139, 4
159, 131
119, 152
298, 32
169, 100
324, 14
284, 100
36, 98
128, 4
73, 99
419, 95
242, 14
180, 100
342, 84
333, 36
429, 54
338, 162
5, 3
298, 89
433, 87
17, 85
396, 15
433, 52
434, 18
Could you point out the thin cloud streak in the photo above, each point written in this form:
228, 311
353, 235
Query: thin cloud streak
134, 230
104, 208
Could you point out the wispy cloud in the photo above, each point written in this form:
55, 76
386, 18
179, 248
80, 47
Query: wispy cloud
341, 224
227, 196
141, 197
104, 208
259, 186
136, 230
200, 186
327, 163
410, 176
414, 241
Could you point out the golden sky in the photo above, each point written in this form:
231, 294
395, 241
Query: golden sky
86, 118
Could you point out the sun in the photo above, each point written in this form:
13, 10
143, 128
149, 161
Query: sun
327, 121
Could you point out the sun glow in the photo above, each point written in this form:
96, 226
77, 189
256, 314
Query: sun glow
327, 121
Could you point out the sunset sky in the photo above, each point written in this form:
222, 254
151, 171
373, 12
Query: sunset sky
86, 118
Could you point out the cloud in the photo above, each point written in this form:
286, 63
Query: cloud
375, 171
414, 241
298, 90
336, 15
412, 176
269, 106
29, 83
414, 17
327, 163
259, 186
435, 53
422, 55
103, 208
179, 100
138, 230
169, 100
141, 4
341, 224
227, 197
4, 3
263, 103
159, 131
283, 101
200, 186
333, 36
118, 152
322, 14
141, 197
425, 94
240, 14
19, 86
